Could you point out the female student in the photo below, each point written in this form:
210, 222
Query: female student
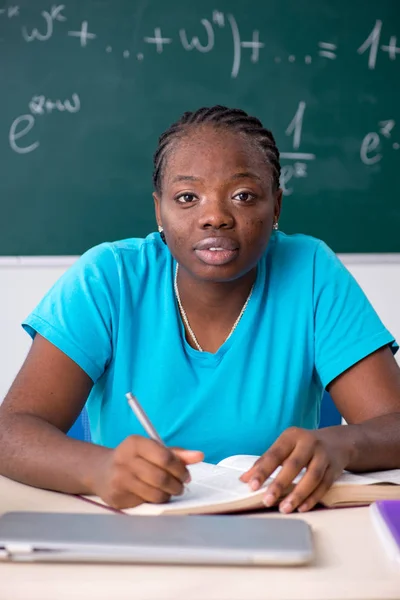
225, 329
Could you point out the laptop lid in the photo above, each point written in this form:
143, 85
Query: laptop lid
206, 539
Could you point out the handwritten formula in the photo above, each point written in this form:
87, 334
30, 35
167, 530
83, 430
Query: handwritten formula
249, 46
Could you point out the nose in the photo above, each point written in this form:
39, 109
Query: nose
216, 214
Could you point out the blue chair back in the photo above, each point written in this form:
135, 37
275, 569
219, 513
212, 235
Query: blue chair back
80, 430
329, 413
329, 416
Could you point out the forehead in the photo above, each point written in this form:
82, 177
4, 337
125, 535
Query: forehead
204, 150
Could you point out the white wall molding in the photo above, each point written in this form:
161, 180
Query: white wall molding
66, 261
36, 261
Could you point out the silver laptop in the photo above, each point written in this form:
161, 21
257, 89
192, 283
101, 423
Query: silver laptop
118, 538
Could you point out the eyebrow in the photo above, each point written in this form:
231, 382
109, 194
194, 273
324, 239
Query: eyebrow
185, 178
246, 175
242, 175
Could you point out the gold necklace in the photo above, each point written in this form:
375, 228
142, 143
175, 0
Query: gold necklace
186, 321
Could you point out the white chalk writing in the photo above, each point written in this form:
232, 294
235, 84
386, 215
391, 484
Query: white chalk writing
372, 147
83, 34
55, 14
16, 133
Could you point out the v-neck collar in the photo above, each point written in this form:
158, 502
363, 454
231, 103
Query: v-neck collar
213, 358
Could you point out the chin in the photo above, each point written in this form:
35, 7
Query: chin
219, 273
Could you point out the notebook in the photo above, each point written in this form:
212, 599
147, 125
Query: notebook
385, 515
217, 489
230, 540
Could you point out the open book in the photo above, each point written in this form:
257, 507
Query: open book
217, 489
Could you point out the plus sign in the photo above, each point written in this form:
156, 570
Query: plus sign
13, 11
158, 40
83, 34
391, 48
255, 44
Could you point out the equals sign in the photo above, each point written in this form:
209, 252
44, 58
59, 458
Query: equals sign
327, 50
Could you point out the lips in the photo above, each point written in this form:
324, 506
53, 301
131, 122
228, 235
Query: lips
223, 243
216, 250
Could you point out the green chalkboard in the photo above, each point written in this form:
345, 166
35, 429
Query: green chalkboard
87, 87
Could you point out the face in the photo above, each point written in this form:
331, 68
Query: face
217, 204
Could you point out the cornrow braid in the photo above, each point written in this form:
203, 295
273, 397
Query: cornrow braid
233, 119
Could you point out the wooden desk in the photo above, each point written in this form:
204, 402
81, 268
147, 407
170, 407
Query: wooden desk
350, 565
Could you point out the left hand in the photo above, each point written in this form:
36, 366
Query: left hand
324, 453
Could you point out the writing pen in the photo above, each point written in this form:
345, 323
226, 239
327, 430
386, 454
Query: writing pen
143, 418
145, 421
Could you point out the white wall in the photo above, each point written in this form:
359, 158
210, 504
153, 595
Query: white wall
24, 281
22, 284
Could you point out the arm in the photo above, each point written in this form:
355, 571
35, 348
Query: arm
354, 362
42, 404
45, 399
368, 396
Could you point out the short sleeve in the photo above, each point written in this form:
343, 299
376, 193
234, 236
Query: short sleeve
78, 312
346, 327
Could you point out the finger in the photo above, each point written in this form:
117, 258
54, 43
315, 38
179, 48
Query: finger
292, 466
162, 457
319, 492
317, 472
145, 491
126, 491
157, 477
189, 457
269, 461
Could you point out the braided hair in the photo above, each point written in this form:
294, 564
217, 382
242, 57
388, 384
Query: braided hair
233, 119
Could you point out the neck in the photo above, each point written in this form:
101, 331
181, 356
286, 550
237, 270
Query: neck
212, 296
212, 307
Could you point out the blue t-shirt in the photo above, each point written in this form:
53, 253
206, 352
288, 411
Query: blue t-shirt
115, 314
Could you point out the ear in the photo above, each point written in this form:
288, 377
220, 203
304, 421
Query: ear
278, 203
157, 208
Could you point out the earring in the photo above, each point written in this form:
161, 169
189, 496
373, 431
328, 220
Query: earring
162, 234
275, 226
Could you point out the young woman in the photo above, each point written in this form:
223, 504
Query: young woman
225, 329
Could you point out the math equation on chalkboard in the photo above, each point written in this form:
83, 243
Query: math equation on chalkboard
245, 46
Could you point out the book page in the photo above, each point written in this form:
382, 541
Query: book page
211, 484
239, 462
218, 484
211, 480
390, 476
243, 462
370, 478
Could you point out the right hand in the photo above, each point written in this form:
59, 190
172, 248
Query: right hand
142, 470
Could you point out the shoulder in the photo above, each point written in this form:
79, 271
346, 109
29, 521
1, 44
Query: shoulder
300, 264
130, 255
296, 251
305, 244
301, 248
108, 269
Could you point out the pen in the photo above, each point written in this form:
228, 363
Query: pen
143, 418
145, 421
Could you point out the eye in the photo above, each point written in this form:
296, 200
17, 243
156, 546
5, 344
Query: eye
185, 198
244, 196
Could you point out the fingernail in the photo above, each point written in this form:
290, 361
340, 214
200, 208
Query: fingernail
254, 484
188, 478
269, 500
285, 507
